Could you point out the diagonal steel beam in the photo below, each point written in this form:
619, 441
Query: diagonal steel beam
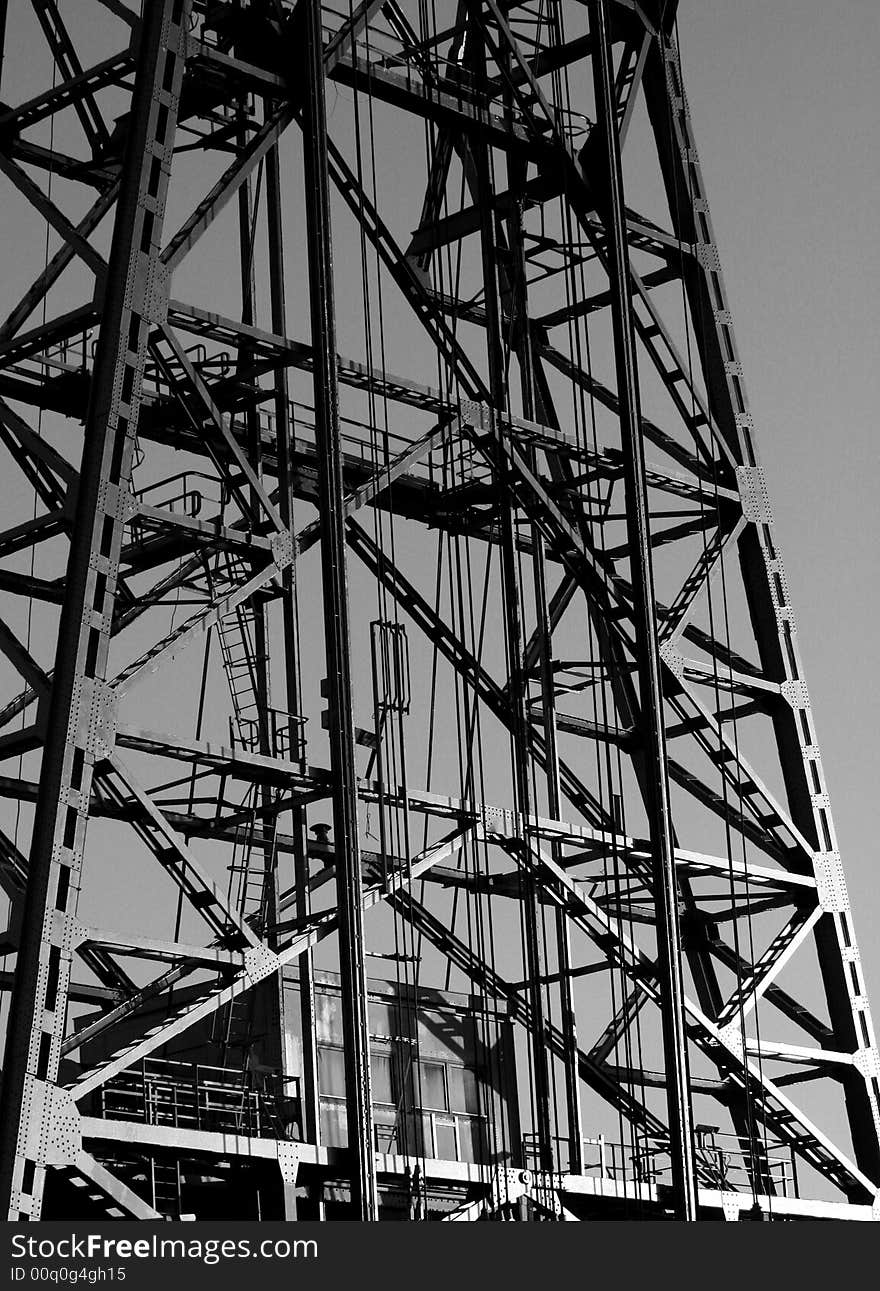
69, 66
109, 71
178, 861
469, 668
121, 1200
194, 393
260, 962
67, 231
593, 1073
49, 473
722, 1046
41, 285
339, 45
203, 216
746, 784
193, 628
752, 985
22, 660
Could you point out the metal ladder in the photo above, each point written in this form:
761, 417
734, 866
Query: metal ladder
237, 635
165, 1185
248, 880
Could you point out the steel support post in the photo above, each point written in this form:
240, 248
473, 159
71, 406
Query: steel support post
80, 718
520, 727
544, 636
335, 592
651, 721
284, 448
266, 1002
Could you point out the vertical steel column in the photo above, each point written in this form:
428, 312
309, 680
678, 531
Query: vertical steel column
267, 1001
283, 433
335, 589
520, 728
650, 686
80, 717
517, 173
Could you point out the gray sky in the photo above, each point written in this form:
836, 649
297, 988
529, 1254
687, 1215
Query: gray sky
786, 109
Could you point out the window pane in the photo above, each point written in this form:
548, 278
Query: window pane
386, 1132
385, 1138
331, 1072
472, 1140
463, 1092
413, 1135
380, 1066
434, 1085
334, 1125
381, 1018
445, 1140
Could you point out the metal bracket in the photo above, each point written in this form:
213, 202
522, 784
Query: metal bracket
94, 716
476, 415
753, 494
75, 933
867, 1062
830, 883
282, 548
500, 821
730, 1206
259, 962
706, 254
116, 502
288, 1162
673, 659
796, 694
54, 1134
507, 1186
731, 1038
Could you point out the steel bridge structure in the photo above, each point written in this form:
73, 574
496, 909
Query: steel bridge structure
388, 576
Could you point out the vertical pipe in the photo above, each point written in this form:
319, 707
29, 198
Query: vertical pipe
335, 589
267, 1001
283, 438
520, 728
650, 686
554, 806
548, 699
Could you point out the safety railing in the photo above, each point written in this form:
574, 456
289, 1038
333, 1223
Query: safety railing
196, 1096
285, 732
721, 1159
423, 63
186, 493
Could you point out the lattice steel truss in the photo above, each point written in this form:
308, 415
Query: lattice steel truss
623, 829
